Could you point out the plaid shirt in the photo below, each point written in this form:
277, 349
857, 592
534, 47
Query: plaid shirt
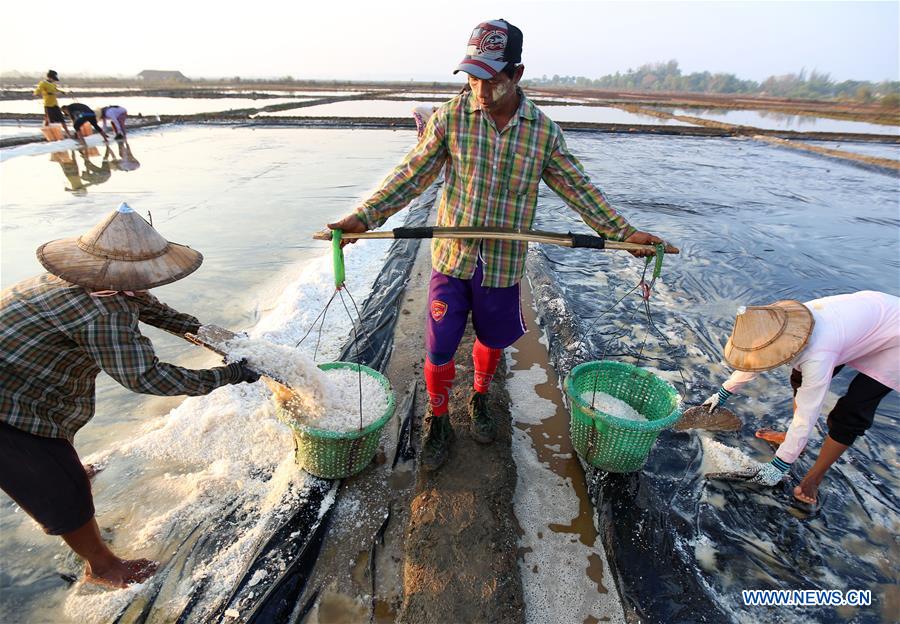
54, 340
491, 180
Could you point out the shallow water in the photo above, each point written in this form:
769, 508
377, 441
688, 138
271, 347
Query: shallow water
249, 199
145, 105
9, 130
354, 108
605, 114
780, 121
754, 224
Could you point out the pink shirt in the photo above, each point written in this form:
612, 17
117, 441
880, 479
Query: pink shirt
861, 330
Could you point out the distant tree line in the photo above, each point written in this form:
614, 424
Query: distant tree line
668, 77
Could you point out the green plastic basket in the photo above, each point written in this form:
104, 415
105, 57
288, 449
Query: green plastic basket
608, 442
338, 454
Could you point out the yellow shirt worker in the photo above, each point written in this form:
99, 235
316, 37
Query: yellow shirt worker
48, 90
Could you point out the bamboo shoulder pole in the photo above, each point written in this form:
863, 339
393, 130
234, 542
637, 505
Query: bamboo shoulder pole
555, 238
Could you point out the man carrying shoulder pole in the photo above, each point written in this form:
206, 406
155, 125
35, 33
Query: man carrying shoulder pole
496, 146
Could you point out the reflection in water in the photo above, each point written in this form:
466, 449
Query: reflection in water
91, 173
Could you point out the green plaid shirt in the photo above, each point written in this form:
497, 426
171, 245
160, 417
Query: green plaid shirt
54, 340
491, 180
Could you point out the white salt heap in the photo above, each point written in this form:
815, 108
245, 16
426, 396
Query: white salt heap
342, 413
603, 402
718, 457
322, 399
288, 364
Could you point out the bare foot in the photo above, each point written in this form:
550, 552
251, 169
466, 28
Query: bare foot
806, 492
92, 469
771, 436
122, 573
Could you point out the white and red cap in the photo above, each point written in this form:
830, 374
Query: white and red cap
491, 46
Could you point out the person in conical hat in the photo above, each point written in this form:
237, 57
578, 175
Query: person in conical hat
57, 332
817, 339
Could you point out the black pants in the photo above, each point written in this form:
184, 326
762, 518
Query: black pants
854, 412
83, 119
46, 479
54, 114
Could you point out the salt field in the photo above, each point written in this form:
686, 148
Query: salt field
250, 197
878, 150
355, 108
9, 130
235, 194
605, 114
145, 105
780, 121
742, 214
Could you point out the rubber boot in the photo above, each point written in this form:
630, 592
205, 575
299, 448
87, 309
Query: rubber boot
484, 431
438, 437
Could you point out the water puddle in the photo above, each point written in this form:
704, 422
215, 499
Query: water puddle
562, 562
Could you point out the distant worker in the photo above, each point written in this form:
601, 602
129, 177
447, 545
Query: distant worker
57, 332
82, 114
422, 114
496, 146
115, 115
817, 338
49, 91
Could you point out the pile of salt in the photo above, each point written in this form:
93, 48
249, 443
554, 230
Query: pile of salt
607, 404
323, 399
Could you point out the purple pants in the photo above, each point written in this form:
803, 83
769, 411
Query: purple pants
496, 312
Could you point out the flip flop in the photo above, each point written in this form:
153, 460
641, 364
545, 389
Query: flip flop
735, 475
814, 502
698, 417
774, 438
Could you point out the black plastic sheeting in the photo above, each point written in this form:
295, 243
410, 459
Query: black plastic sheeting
293, 545
755, 224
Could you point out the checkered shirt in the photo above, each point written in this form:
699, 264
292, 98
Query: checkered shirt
491, 180
54, 340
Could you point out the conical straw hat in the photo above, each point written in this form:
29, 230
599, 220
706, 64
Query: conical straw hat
768, 336
122, 252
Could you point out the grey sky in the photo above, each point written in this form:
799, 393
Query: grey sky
424, 40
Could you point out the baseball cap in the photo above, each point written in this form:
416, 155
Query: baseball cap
51, 75
491, 46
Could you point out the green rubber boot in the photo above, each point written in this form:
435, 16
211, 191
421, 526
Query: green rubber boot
438, 438
483, 428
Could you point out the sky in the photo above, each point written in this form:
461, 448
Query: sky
402, 40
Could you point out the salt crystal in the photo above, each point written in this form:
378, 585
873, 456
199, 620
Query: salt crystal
718, 457
607, 404
311, 392
257, 577
342, 411
328, 399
